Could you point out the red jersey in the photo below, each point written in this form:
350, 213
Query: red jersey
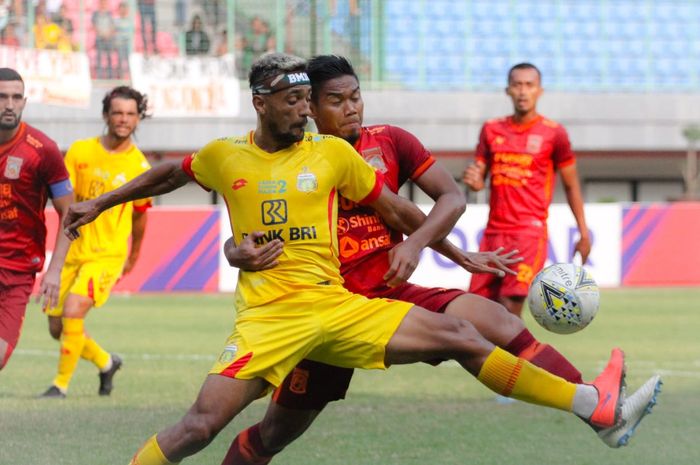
522, 160
29, 163
363, 238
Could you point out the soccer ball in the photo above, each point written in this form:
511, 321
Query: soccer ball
563, 298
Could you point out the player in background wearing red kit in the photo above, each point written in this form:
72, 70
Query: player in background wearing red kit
365, 243
31, 171
522, 152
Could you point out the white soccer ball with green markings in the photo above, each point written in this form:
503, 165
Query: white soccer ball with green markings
563, 298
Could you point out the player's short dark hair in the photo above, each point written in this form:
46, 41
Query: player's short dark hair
524, 66
9, 74
273, 64
323, 68
128, 93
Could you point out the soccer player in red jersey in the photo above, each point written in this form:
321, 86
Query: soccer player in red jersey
522, 152
31, 171
365, 243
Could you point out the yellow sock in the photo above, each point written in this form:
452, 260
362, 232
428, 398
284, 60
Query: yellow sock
93, 352
515, 377
72, 342
150, 454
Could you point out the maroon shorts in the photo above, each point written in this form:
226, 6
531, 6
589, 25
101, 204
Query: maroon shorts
15, 288
311, 385
534, 253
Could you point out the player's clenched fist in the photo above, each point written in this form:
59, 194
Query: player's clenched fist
473, 176
80, 214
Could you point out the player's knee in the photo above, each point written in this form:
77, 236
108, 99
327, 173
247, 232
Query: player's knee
55, 328
278, 434
200, 430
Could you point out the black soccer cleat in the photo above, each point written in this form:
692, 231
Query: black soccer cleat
106, 385
53, 392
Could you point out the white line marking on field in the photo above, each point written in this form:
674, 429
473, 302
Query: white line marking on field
127, 356
641, 365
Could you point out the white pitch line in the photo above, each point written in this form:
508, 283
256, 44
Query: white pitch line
644, 365
126, 356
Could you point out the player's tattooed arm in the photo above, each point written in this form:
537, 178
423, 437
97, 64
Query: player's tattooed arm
162, 179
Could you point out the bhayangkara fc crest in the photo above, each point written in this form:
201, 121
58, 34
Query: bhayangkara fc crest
306, 181
13, 168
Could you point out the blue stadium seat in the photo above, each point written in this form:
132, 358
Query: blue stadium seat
622, 11
491, 46
498, 10
625, 30
447, 9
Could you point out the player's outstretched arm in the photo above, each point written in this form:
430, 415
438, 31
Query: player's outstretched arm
159, 180
50, 283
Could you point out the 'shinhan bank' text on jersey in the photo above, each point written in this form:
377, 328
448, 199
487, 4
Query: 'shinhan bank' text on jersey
522, 160
364, 239
29, 163
94, 171
289, 195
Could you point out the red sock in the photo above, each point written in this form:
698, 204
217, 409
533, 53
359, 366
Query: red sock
248, 449
524, 345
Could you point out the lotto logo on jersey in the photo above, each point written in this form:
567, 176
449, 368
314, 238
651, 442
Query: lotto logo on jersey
274, 212
13, 168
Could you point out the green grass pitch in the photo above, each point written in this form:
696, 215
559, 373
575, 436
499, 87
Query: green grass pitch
408, 415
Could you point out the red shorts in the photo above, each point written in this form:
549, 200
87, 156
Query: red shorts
311, 385
15, 289
534, 253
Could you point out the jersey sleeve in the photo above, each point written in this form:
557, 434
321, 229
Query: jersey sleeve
53, 169
201, 166
562, 155
356, 179
414, 158
483, 151
141, 205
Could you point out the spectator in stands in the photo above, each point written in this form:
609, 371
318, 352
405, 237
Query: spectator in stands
105, 30
239, 44
9, 36
66, 24
258, 40
124, 29
196, 39
147, 12
48, 34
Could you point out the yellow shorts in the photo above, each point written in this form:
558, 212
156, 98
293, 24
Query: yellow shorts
94, 279
323, 323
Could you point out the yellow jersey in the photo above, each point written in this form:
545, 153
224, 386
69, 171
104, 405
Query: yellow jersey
289, 195
93, 171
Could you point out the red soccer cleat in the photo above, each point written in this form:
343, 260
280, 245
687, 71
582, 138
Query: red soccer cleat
610, 385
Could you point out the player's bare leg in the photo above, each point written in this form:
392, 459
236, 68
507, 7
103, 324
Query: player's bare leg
220, 399
423, 335
514, 304
4, 353
508, 331
259, 443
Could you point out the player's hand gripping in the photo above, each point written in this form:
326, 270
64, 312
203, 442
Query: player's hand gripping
249, 257
79, 214
496, 262
403, 260
473, 176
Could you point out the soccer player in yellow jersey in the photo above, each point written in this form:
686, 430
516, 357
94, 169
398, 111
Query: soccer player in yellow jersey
284, 182
101, 256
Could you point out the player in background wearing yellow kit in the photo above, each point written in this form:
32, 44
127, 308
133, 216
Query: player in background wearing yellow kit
282, 181
101, 256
